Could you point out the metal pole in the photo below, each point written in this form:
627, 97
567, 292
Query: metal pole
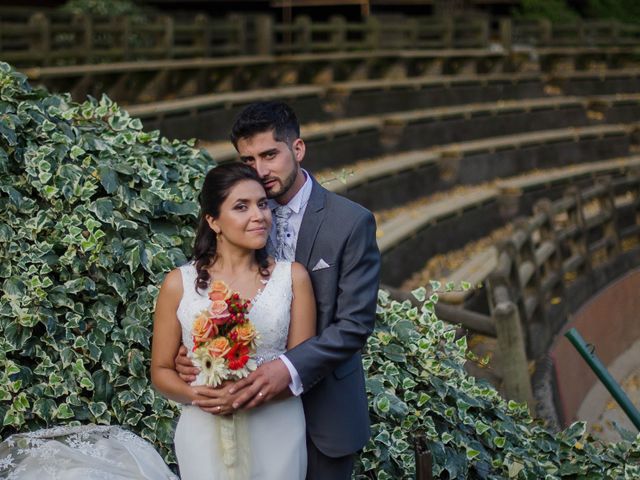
605, 377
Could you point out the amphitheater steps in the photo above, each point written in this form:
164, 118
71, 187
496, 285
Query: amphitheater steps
414, 236
339, 143
384, 182
208, 116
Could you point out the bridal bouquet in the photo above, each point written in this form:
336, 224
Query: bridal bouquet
223, 338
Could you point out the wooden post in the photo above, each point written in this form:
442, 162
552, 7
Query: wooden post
546, 31
203, 34
515, 371
410, 40
615, 32
373, 32
483, 32
85, 45
264, 35
338, 34
506, 33
610, 230
305, 38
584, 37
41, 40
167, 36
448, 32
125, 35
424, 462
578, 243
238, 36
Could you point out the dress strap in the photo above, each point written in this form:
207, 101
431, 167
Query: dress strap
189, 275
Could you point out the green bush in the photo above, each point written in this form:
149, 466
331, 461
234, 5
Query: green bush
103, 8
553, 10
94, 212
417, 385
627, 11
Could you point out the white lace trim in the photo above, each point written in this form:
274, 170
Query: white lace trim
87, 450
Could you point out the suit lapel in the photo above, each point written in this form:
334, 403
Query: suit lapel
311, 221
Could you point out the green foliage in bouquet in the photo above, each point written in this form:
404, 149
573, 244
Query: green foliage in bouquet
93, 212
417, 385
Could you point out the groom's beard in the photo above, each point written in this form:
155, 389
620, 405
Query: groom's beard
281, 187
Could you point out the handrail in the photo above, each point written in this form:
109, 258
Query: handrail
39, 37
605, 377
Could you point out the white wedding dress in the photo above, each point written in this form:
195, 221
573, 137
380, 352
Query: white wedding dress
276, 449
87, 452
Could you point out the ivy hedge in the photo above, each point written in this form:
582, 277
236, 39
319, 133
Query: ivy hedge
94, 211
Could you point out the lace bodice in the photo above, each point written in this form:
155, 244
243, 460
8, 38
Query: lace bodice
270, 310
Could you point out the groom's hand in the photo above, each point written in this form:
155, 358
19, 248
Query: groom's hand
269, 380
186, 371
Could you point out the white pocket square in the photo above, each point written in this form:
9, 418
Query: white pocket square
321, 265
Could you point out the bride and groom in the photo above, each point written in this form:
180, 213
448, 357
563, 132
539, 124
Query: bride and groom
305, 408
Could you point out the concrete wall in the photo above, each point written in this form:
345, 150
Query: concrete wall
610, 321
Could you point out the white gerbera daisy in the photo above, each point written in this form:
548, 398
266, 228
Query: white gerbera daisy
213, 370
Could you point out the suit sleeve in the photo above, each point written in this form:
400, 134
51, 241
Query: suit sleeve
356, 301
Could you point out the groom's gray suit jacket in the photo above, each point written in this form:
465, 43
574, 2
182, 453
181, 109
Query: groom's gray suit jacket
342, 234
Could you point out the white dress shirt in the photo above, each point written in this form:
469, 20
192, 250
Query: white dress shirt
298, 205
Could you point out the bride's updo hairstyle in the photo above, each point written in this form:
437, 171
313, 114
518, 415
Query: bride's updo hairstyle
215, 190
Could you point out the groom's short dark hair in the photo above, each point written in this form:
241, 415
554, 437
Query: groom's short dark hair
262, 117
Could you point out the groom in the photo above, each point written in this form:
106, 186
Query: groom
335, 239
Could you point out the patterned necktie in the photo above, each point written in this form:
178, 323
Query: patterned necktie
284, 250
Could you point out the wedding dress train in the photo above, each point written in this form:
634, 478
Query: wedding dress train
88, 452
276, 446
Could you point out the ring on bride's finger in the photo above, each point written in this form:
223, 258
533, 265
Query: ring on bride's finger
218, 408
260, 394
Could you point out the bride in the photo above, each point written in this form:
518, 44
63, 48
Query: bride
235, 222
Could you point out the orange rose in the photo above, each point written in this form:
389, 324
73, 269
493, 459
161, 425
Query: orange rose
219, 291
219, 312
246, 333
218, 347
203, 328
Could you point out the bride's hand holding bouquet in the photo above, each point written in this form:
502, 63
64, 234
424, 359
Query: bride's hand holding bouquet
224, 345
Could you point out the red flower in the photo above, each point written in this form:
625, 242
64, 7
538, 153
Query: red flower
238, 356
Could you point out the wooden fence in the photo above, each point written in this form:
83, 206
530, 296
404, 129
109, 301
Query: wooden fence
51, 37
551, 264
593, 33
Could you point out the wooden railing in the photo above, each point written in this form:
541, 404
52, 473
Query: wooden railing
553, 262
543, 33
52, 37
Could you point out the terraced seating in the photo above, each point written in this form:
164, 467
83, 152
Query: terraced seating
146, 81
208, 116
314, 103
411, 238
558, 58
340, 143
396, 179
526, 190
597, 82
